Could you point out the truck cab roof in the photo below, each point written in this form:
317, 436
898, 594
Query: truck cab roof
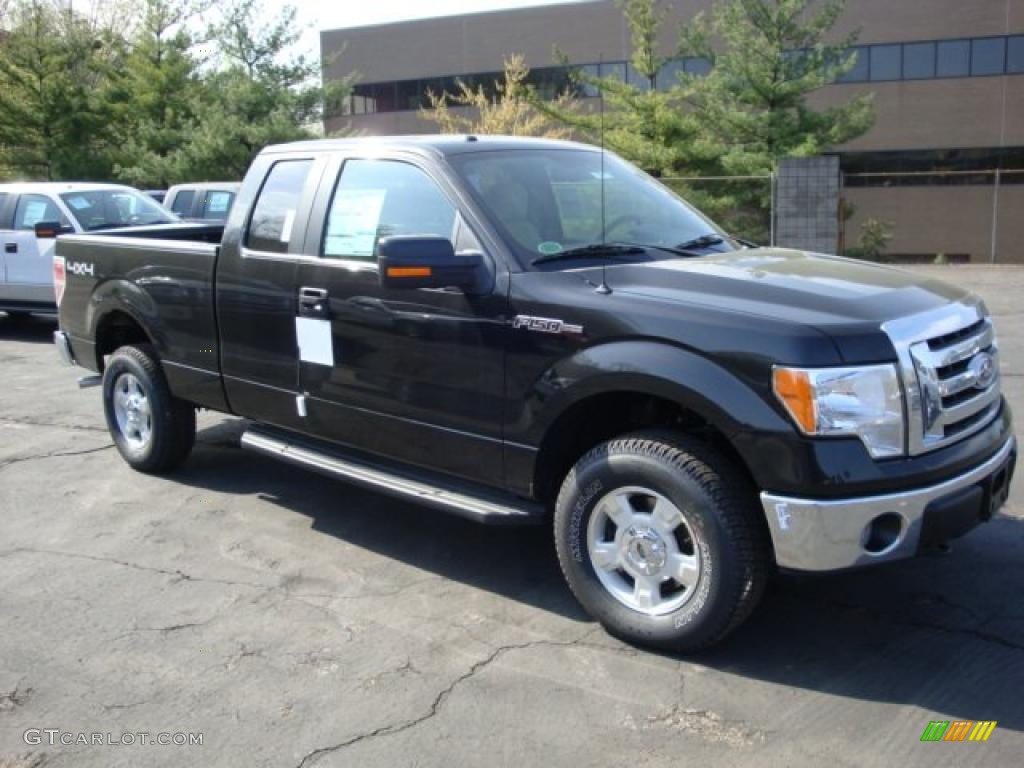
434, 144
57, 187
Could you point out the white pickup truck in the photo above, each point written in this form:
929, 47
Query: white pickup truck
33, 214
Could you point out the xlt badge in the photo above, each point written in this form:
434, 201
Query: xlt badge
545, 325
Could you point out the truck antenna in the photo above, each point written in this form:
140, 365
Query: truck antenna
603, 288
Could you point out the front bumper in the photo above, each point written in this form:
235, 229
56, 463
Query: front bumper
827, 535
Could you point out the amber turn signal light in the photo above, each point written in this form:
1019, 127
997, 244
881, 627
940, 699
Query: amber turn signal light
408, 271
794, 389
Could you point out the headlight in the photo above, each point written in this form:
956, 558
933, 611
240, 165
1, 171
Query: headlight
865, 402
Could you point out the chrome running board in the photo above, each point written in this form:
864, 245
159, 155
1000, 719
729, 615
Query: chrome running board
481, 505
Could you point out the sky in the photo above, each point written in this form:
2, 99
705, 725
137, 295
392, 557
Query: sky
358, 13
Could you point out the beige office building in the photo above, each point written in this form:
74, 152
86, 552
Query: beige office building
948, 79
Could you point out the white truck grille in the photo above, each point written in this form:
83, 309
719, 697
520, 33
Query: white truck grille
950, 368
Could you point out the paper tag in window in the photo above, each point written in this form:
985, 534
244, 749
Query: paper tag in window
286, 227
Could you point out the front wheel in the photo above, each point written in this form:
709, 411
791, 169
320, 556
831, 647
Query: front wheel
153, 430
659, 538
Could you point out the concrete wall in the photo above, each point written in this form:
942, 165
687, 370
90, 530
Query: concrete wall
951, 220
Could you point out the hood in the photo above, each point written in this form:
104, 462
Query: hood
844, 298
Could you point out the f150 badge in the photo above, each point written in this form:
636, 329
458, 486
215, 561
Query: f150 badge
80, 268
545, 325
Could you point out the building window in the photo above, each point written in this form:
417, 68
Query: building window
885, 62
1015, 55
696, 65
859, 72
918, 61
977, 57
953, 58
668, 75
988, 56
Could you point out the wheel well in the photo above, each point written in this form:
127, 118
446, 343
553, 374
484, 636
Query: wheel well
602, 417
117, 329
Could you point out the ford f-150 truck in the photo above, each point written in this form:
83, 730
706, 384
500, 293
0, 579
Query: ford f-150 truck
521, 330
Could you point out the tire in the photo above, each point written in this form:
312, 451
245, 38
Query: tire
662, 541
153, 431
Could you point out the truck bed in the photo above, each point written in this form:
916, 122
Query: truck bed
163, 278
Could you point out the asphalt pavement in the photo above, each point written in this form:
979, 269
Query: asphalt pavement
290, 620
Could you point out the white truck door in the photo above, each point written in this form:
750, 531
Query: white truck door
29, 261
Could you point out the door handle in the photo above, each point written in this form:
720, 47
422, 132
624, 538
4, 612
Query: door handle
10, 247
313, 303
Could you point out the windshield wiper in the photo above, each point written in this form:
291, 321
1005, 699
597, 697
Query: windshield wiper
596, 249
700, 242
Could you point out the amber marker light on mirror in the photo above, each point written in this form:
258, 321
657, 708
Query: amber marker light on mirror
408, 271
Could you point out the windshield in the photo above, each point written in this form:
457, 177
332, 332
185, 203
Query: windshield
548, 201
109, 208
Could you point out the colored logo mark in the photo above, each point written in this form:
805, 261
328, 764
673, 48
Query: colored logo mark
958, 730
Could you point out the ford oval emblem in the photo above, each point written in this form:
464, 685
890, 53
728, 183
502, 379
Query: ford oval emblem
983, 368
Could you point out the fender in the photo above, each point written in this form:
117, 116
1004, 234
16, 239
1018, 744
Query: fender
649, 367
730, 404
124, 296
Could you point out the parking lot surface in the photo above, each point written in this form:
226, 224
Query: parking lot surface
293, 620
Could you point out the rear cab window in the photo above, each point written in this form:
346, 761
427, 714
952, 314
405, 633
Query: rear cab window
271, 227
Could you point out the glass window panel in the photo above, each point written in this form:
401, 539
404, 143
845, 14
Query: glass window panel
273, 217
885, 62
381, 198
988, 56
859, 72
697, 66
33, 209
669, 74
614, 69
918, 60
1015, 54
182, 203
217, 205
953, 58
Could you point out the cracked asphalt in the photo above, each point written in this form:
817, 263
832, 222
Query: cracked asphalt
296, 621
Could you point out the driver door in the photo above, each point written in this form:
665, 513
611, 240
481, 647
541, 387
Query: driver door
412, 374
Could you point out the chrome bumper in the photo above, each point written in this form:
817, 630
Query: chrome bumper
63, 344
826, 535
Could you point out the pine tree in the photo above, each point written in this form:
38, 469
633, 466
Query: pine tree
644, 118
55, 106
767, 58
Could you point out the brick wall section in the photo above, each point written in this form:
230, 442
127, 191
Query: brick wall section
806, 204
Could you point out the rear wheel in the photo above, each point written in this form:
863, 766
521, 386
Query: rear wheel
153, 430
660, 539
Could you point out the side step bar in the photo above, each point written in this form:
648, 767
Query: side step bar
480, 506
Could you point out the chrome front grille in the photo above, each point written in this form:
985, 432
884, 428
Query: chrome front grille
949, 363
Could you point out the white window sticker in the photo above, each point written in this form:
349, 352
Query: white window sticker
354, 221
78, 203
35, 211
286, 227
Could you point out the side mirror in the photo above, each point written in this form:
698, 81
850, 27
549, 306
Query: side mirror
415, 261
47, 230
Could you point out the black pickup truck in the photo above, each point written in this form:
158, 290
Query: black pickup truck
521, 330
